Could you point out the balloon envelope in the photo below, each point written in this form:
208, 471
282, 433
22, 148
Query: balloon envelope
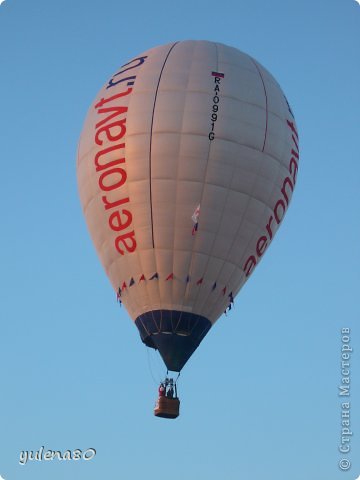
186, 166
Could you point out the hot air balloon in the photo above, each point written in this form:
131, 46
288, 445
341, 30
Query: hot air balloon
186, 166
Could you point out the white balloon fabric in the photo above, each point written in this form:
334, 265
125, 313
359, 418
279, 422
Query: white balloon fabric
186, 166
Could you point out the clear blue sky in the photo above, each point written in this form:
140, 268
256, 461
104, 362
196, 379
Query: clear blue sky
260, 396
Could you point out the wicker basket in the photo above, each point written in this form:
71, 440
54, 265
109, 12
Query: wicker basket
167, 407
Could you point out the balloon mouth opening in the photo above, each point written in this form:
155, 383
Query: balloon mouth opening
174, 333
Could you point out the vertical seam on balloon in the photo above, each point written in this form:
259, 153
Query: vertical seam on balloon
179, 320
150, 147
201, 198
154, 317
181, 299
197, 302
152, 314
150, 171
160, 327
172, 320
225, 261
142, 323
196, 323
266, 102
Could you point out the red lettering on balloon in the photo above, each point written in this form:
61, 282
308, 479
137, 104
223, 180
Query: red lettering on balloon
117, 203
116, 223
110, 128
261, 245
288, 182
280, 206
113, 132
268, 227
116, 111
110, 163
128, 240
279, 203
249, 265
117, 179
293, 168
293, 129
